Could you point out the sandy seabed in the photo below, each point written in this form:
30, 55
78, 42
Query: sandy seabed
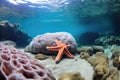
67, 65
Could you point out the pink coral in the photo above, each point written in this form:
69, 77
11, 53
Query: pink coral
16, 65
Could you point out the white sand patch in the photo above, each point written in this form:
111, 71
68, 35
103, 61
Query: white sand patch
68, 65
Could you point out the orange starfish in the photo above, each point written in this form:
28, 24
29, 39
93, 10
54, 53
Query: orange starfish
61, 48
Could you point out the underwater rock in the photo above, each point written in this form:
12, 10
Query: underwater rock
27, 48
41, 56
98, 49
100, 58
116, 62
71, 76
101, 72
115, 51
101, 54
39, 43
87, 49
105, 73
16, 65
84, 55
113, 74
102, 69
10, 32
90, 49
91, 60
88, 38
8, 43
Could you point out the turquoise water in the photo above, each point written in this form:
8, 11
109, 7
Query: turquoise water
52, 16
51, 22
47, 21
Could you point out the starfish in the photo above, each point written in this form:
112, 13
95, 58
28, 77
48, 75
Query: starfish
61, 48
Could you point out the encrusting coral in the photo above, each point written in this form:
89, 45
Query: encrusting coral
16, 65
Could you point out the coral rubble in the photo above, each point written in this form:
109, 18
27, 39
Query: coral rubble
16, 65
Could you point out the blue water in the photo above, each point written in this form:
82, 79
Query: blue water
54, 20
51, 22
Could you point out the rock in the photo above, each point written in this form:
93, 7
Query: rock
27, 48
101, 72
87, 49
105, 73
98, 59
11, 32
113, 74
41, 56
84, 55
91, 60
101, 54
71, 76
98, 49
116, 62
8, 43
39, 43
115, 51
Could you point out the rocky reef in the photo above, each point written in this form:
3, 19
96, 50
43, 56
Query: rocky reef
39, 43
11, 32
108, 39
116, 56
16, 65
90, 49
102, 68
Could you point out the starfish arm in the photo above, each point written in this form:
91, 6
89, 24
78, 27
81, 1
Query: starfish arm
54, 48
59, 55
58, 42
68, 53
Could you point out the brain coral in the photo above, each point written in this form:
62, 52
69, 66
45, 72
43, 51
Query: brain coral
16, 65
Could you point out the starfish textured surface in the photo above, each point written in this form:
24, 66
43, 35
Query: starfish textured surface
61, 48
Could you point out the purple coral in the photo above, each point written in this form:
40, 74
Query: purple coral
16, 65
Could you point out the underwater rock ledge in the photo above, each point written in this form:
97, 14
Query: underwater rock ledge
10, 32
